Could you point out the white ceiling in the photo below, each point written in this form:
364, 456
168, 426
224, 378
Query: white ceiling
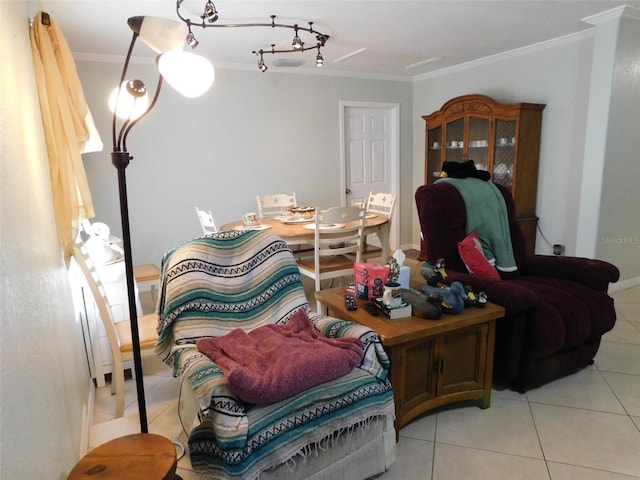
373, 38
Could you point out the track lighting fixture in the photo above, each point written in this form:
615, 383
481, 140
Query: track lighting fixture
191, 39
297, 43
210, 12
210, 16
319, 59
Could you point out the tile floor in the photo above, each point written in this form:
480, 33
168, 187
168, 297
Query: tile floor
586, 426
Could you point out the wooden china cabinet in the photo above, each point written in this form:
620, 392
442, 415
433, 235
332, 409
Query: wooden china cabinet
501, 138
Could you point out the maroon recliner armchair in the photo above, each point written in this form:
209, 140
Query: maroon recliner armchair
557, 308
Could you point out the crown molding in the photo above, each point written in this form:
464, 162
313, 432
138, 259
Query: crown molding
517, 52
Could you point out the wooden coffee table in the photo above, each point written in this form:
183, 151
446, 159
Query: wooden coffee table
433, 362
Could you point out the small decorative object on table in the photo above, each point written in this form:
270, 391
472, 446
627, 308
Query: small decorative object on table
403, 310
394, 269
421, 306
453, 297
392, 297
433, 274
473, 300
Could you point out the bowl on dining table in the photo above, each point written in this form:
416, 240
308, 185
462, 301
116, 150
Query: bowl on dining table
301, 212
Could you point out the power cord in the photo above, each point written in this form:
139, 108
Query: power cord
184, 430
180, 450
542, 234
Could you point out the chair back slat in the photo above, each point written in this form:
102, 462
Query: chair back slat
207, 222
381, 203
273, 205
92, 277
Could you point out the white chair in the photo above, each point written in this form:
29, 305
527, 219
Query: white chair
339, 234
377, 204
272, 205
118, 333
206, 221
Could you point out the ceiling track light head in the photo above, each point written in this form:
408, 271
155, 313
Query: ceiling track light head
210, 16
319, 59
261, 65
297, 43
191, 39
210, 12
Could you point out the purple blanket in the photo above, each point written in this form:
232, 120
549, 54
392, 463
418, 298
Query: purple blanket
274, 362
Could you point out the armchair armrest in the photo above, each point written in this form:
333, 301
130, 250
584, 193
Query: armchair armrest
593, 273
513, 297
375, 360
224, 412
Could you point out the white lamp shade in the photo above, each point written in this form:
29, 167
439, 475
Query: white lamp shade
162, 34
190, 74
128, 105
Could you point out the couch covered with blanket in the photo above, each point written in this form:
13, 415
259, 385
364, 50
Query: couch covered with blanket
557, 308
281, 392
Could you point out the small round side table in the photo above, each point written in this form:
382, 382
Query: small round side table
142, 456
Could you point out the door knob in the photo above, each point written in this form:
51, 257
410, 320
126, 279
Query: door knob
347, 191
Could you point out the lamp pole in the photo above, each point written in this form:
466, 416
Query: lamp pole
121, 160
165, 35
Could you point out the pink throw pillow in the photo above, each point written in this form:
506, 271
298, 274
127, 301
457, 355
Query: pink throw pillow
473, 257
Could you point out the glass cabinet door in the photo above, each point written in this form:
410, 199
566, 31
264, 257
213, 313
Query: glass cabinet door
478, 144
434, 154
505, 153
493, 135
455, 140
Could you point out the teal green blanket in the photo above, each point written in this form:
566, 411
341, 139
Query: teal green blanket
487, 215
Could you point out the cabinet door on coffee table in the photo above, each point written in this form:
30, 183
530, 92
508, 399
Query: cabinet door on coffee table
462, 358
419, 383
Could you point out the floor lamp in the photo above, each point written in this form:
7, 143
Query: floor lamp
188, 73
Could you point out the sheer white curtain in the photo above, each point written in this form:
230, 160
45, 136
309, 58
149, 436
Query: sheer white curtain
68, 127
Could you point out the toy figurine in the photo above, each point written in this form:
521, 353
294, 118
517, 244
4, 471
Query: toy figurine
433, 273
473, 300
433, 308
394, 269
453, 298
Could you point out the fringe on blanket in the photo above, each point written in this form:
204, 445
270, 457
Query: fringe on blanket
331, 440
317, 448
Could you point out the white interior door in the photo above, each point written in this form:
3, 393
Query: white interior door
370, 157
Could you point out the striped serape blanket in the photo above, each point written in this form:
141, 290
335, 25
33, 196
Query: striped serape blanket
214, 284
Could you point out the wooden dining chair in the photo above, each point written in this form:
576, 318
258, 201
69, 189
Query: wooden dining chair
206, 221
272, 205
377, 204
118, 333
338, 239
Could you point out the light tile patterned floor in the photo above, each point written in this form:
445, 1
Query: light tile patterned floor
585, 426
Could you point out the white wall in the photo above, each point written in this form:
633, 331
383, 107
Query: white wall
618, 235
552, 76
44, 374
252, 133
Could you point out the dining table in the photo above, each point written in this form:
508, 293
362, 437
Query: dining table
302, 231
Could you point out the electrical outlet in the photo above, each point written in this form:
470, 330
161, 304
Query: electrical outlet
558, 249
